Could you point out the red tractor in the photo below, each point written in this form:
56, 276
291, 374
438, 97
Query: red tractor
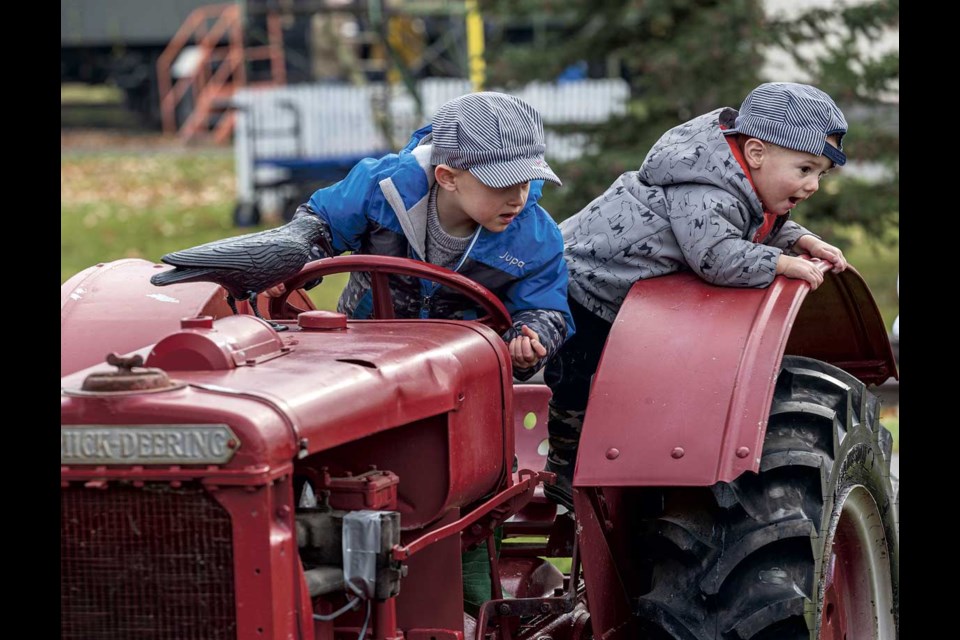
223, 480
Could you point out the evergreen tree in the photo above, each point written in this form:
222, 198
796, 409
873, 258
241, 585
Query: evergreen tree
682, 58
855, 59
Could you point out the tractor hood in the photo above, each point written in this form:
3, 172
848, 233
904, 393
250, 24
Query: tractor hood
329, 386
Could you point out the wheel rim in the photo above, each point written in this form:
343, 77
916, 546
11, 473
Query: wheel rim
858, 595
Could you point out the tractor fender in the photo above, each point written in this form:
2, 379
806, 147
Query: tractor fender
684, 386
113, 303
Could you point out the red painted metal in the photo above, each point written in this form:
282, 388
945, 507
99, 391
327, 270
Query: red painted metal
231, 342
264, 563
133, 561
374, 489
420, 417
113, 307
837, 596
857, 592
434, 634
687, 377
840, 323
498, 508
385, 620
379, 267
322, 320
436, 397
530, 417
527, 616
405, 371
528, 577
431, 595
604, 561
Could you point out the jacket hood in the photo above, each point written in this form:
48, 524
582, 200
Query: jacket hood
697, 152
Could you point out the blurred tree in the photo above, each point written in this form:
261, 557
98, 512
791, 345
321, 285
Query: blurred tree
856, 60
686, 57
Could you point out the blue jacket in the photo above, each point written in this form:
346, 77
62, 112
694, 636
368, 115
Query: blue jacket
381, 208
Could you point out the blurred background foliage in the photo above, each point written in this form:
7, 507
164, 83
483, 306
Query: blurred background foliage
681, 58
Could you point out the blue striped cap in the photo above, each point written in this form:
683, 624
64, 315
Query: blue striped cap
795, 116
495, 136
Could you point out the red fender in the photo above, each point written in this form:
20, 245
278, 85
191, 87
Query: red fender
685, 382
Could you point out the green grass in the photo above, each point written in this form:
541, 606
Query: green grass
136, 205
892, 422
144, 204
879, 265
99, 94
116, 206
96, 106
563, 564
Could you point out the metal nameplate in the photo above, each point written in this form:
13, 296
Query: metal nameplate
147, 444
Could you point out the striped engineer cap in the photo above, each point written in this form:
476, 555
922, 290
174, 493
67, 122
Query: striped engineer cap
795, 116
495, 136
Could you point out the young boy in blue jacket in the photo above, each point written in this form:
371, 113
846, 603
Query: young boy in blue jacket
713, 196
463, 195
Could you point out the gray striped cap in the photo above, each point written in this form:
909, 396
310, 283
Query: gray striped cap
497, 137
795, 116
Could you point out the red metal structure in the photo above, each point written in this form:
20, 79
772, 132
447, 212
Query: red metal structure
219, 69
223, 480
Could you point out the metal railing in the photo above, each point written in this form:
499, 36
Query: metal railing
219, 69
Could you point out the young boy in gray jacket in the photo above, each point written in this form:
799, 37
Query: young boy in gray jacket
712, 196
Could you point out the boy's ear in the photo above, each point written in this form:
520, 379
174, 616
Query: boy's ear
754, 150
446, 177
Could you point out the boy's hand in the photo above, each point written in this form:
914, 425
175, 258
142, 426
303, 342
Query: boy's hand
526, 349
819, 249
800, 269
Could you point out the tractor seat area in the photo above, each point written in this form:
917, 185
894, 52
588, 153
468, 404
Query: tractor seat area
530, 413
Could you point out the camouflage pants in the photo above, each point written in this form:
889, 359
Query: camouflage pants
569, 374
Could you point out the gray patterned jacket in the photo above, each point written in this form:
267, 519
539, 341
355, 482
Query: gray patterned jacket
689, 206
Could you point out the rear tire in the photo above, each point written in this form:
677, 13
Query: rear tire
807, 548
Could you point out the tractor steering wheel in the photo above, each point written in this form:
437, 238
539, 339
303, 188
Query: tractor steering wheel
379, 267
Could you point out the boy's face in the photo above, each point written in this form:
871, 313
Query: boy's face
783, 177
493, 209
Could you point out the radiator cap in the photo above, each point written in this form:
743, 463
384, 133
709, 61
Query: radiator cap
125, 378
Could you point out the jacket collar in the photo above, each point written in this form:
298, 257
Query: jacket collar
413, 221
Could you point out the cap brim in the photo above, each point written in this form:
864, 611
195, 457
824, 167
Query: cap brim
507, 174
838, 157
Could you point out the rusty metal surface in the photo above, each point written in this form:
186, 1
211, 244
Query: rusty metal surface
129, 376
